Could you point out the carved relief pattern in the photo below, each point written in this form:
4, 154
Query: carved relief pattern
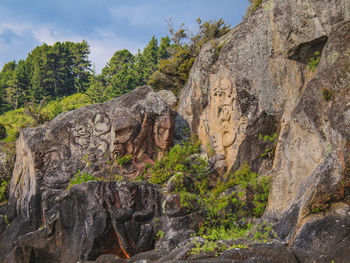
227, 124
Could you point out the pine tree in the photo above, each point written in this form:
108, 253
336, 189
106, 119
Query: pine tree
150, 56
119, 73
163, 52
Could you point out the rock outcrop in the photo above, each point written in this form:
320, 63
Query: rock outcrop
251, 97
261, 84
138, 127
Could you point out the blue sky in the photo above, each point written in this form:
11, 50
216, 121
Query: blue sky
107, 25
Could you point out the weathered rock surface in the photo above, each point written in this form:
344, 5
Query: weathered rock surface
140, 125
93, 219
261, 84
254, 81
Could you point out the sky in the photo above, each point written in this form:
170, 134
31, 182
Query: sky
107, 25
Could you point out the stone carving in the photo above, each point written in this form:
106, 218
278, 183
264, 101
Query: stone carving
163, 132
226, 124
146, 139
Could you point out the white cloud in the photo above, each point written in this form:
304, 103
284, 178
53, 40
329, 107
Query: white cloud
102, 46
103, 49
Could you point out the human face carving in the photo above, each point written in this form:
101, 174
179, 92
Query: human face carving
164, 131
124, 134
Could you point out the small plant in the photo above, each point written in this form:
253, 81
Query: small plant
189, 201
6, 220
159, 235
124, 160
3, 189
85, 158
318, 208
313, 63
327, 94
3, 133
239, 246
264, 232
254, 5
80, 178
211, 151
269, 152
267, 138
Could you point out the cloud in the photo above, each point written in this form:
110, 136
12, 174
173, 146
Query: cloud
107, 25
15, 42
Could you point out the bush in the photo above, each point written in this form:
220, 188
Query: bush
3, 191
314, 61
2, 132
254, 5
80, 178
124, 160
177, 160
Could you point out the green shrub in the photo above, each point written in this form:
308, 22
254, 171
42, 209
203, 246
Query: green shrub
269, 152
3, 190
2, 132
177, 160
124, 160
254, 5
80, 178
314, 61
159, 235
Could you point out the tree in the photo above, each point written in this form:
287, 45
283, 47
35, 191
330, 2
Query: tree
150, 56
164, 45
98, 91
119, 74
6, 82
173, 72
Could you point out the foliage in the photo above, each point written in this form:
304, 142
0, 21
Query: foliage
34, 114
35, 111
269, 152
313, 63
2, 132
254, 5
177, 160
3, 190
225, 219
49, 71
159, 235
14, 121
81, 177
327, 94
174, 70
124, 160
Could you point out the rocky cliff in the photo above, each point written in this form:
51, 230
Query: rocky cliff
256, 81
273, 92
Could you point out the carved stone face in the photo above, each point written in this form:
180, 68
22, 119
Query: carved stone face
124, 134
124, 127
164, 131
223, 94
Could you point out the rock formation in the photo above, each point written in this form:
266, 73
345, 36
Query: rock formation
138, 125
253, 83
261, 84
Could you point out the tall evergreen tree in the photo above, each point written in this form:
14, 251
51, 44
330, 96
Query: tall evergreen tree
163, 52
6, 84
119, 73
150, 56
